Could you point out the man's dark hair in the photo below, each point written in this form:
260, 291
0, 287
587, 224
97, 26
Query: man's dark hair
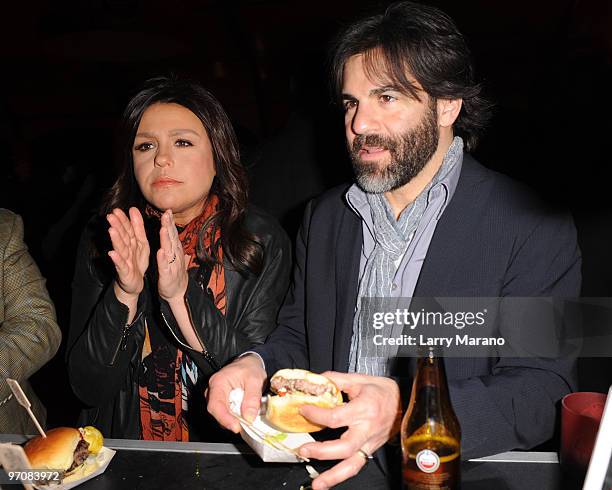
422, 41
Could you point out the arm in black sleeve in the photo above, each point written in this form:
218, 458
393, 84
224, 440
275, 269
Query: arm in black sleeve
514, 407
100, 344
286, 346
255, 312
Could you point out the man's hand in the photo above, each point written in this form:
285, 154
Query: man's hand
373, 416
246, 372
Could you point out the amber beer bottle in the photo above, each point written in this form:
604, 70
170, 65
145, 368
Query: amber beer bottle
431, 436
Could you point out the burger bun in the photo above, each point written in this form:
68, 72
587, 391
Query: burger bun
283, 411
54, 452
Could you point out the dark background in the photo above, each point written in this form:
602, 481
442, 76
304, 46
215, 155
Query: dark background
69, 68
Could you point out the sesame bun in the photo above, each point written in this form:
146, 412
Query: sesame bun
55, 452
282, 411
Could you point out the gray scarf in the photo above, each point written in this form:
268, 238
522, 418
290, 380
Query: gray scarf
392, 238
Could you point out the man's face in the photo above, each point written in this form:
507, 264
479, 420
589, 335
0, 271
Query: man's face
390, 135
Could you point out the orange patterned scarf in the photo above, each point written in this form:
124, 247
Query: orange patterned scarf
168, 377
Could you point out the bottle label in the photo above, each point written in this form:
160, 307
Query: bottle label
427, 461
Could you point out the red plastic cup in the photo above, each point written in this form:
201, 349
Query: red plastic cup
581, 414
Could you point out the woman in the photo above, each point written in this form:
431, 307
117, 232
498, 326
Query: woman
177, 276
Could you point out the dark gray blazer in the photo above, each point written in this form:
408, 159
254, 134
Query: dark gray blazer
493, 240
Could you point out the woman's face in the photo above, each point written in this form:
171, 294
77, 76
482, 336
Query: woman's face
173, 160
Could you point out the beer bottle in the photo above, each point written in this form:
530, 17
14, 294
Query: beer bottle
430, 436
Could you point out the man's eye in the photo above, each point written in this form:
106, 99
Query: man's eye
387, 98
183, 143
349, 104
143, 146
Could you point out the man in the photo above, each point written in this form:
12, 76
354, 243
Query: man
424, 219
29, 334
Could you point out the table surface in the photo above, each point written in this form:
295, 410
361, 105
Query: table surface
164, 465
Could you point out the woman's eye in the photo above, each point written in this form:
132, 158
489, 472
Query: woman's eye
143, 146
183, 143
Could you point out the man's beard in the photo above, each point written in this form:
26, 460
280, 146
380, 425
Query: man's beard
409, 153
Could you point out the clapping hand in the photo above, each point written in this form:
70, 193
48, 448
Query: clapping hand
130, 253
171, 261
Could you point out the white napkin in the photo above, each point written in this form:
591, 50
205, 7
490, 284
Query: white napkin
266, 452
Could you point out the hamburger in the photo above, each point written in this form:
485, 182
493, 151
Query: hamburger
293, 389
65, 449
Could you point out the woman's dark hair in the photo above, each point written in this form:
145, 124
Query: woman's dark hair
241, 248
422, 41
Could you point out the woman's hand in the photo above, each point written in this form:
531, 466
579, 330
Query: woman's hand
130, 252
171, 261
172, 265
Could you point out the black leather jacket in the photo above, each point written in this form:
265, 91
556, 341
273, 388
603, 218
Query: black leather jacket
104, 354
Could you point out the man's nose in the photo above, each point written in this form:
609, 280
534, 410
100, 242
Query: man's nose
364, 121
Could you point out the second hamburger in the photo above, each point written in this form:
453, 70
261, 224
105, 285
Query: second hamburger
65, 450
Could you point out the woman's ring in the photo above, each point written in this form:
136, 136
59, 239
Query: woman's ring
173, 258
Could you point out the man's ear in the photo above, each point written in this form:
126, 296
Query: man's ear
448, 111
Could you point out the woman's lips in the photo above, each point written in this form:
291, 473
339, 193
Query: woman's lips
165, 182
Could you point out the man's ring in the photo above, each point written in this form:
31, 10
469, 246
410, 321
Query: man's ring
365, 455
173, 258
